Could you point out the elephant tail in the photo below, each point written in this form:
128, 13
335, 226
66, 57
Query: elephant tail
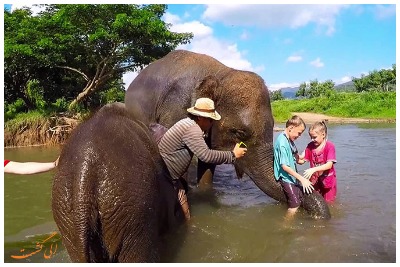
88, 224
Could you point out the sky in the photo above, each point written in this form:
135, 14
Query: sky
289, 44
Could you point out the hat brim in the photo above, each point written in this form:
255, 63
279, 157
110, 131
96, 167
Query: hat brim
212, 115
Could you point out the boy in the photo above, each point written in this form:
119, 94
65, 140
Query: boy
285, 158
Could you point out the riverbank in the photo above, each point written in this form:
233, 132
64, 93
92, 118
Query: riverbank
57, 129
310, 118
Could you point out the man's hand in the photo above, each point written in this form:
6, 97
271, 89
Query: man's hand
239, 151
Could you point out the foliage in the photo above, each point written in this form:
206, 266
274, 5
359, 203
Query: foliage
342, 104
75, 51
35, 94
59, 105
276, 95
11, 110
111, 95
28, 118
316, 89
383, 80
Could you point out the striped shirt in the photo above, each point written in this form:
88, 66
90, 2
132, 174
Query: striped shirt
181, 141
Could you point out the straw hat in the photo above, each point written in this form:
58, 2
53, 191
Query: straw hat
204, 107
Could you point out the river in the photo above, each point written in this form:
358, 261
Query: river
233, 221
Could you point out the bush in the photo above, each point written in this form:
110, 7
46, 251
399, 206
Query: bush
11, 110
60, 105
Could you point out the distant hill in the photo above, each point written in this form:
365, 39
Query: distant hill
348, 86
290, 92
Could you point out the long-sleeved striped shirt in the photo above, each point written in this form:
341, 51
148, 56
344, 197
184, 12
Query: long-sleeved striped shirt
184, 139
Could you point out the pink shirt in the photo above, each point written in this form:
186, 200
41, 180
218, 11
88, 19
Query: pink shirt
327, 179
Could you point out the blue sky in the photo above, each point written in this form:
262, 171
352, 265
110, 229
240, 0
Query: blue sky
291, 43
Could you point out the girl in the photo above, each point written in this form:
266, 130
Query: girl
322, 156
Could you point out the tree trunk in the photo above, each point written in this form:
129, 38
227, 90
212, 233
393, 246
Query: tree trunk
80, 97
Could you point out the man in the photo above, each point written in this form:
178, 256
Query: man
186, 138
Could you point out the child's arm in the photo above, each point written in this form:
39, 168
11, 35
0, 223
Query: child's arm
309, 172
307, 186
300, 158
29, 167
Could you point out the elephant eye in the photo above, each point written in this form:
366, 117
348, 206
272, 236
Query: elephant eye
240, 134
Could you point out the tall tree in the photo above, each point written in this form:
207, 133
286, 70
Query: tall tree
111, 40
302, 92
95, 44
276, 95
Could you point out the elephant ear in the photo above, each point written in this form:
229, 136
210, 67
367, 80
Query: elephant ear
208, 87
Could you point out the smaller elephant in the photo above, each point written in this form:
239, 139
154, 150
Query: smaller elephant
112, 197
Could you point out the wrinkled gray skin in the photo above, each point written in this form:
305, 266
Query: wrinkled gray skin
163, 91
111, 198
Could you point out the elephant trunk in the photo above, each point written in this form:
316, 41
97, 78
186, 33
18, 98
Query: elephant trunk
259, 166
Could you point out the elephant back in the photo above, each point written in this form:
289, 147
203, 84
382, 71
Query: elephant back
106, 192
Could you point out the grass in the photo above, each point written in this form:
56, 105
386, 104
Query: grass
369, 105
22, 119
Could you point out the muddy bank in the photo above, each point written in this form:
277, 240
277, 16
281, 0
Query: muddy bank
44, 131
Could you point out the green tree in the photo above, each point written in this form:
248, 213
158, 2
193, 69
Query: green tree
302, 90
276, 95
87, 46
20, 61
383, 80
360, 83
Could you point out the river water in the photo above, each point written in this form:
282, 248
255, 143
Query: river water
233, 221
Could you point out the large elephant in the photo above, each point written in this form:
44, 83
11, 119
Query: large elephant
163, 91
111, 196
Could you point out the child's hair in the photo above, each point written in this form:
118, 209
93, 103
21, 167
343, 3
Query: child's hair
319, 127
295, 121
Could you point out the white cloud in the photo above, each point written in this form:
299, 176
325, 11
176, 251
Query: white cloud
128, 77
205, 42
383, 12
275, 16
277, 86
197, 28
294, 59
345, 79
35, 9
317, 63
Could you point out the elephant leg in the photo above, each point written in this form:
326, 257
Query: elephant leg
205, 173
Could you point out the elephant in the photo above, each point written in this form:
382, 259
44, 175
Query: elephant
112, 196
162, 92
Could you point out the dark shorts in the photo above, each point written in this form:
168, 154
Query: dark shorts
293, 193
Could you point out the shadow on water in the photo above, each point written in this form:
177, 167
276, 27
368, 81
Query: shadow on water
233, 221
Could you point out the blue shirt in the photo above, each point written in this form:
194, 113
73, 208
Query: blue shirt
283, 155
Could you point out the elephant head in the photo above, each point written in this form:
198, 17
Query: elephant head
163, 91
